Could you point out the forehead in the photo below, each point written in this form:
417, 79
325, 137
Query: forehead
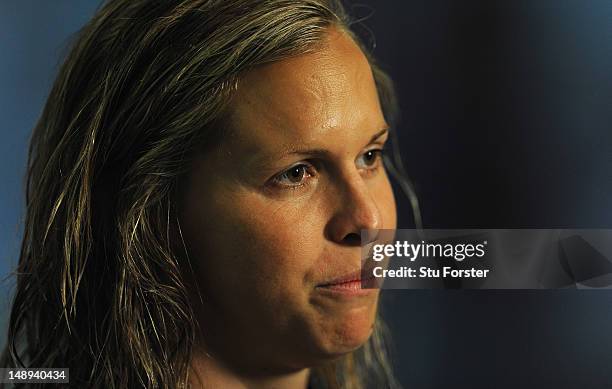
308, 97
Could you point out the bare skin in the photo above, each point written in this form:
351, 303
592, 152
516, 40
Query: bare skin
274, 214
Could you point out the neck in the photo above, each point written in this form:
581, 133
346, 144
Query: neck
208, 372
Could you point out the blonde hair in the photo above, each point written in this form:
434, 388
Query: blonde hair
100, 287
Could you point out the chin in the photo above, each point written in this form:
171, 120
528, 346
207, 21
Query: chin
336, 340
349, 334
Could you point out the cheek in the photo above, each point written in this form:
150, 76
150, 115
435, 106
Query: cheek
254, 249
281, 236
385, 201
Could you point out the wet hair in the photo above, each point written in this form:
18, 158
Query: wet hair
101, 282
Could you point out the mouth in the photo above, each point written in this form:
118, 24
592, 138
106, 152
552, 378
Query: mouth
357, 283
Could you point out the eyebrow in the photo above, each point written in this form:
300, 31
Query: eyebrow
379, 134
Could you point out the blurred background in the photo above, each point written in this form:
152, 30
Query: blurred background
506, 122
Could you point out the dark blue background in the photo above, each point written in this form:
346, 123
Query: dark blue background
506, 122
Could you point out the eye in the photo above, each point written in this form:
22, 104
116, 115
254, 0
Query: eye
294, 177
370, 160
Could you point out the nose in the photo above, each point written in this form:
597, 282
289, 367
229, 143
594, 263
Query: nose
356, 214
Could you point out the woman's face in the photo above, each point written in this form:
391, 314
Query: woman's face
274, 213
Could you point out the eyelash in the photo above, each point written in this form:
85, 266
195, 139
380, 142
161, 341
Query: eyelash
276, 181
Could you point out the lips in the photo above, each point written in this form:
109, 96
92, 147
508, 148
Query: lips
351, 279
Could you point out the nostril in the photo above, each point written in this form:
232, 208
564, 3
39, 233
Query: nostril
353, 239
